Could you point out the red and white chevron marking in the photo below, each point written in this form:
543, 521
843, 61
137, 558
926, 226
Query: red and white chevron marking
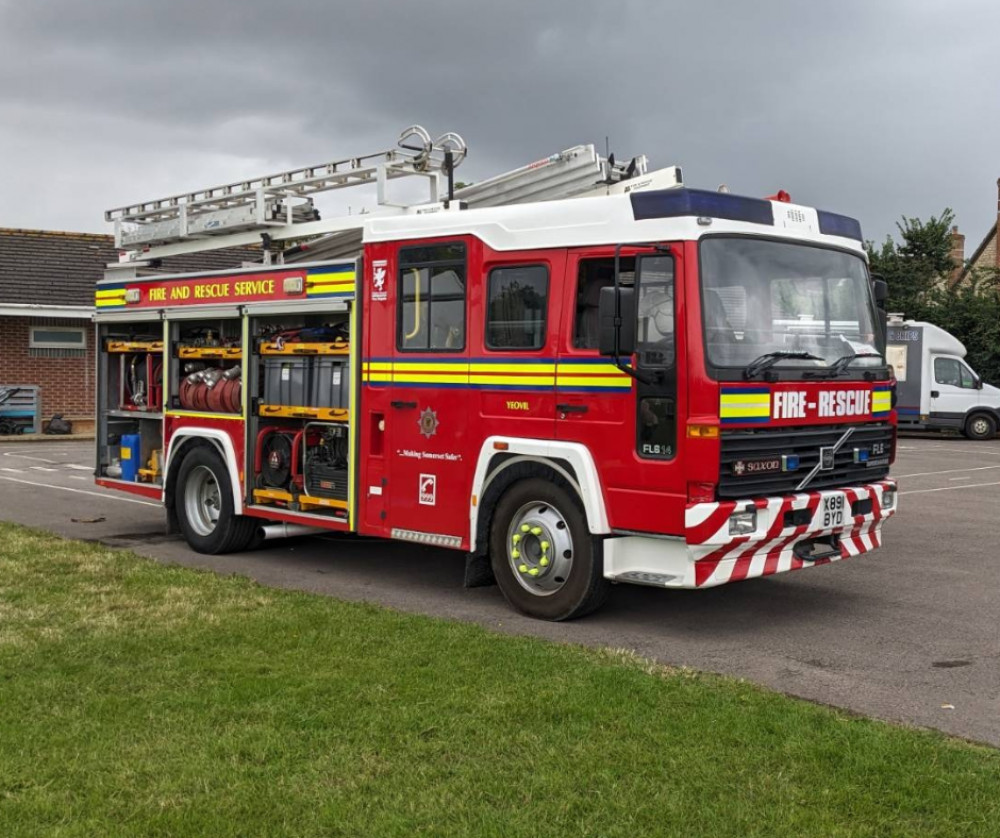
720, 558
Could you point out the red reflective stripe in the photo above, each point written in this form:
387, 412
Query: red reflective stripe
745, 559
705, 567
700, 533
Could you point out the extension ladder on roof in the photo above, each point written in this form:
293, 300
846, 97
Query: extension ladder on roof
281, 206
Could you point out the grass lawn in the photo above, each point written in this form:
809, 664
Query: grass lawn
140, 700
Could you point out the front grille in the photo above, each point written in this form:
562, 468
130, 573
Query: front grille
804, 442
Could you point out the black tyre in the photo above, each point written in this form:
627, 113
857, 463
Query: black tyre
205, 510
981, 426
546, 562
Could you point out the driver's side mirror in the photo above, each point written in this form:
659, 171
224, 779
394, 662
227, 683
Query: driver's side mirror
979, 382
616, 338
881, 289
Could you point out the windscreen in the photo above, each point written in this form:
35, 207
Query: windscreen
761, 297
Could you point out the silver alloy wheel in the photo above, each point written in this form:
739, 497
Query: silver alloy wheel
540, 548
980, 426
202, 500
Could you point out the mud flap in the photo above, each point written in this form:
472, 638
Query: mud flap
478, 572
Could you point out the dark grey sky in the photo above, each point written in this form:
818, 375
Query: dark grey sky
874, 109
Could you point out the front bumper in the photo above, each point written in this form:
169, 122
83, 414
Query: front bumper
792, 531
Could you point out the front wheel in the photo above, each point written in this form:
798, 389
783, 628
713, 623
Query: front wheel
546, 562
205, 509
981, 426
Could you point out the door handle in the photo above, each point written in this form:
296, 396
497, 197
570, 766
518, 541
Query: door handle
404, 405
935, 394
572, 408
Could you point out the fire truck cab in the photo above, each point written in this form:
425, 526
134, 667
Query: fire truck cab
660, 386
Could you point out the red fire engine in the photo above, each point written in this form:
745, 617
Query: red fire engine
578, 373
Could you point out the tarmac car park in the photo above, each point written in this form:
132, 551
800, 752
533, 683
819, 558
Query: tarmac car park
909, 635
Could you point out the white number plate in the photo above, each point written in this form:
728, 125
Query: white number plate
832, 512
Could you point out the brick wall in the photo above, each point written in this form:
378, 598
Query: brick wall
67, 383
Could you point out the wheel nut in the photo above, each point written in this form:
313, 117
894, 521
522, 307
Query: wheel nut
543, 561
525, 528
533, 572
523, 568
517, 538
536, 531
515, 554
545, 546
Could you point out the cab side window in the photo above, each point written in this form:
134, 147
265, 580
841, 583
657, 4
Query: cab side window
954, 373
595, 274
968, 379
516, 307
655, 339
431, 305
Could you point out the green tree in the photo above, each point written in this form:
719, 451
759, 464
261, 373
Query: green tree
971, 312
914, 268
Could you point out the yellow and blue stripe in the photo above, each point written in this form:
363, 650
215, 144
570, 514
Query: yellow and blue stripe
881, 401
110, 296
596, 376
744, 404
331, 281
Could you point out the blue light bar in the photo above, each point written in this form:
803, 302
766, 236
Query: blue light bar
831, 224
673, 203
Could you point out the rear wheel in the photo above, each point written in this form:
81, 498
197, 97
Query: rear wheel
981, 426
205, 509
546, 562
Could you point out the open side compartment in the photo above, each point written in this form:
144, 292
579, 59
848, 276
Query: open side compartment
206, 366
299, 427
130, 398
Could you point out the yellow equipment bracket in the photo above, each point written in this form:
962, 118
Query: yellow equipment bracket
217, 352
336, 348
271, 495
307, 502
331, 414
135, 346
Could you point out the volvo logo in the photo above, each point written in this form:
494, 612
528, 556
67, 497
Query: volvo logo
827, 459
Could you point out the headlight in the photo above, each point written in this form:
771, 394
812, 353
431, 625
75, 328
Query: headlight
888, 499
743, 523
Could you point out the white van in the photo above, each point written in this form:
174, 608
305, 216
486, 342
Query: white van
936, 388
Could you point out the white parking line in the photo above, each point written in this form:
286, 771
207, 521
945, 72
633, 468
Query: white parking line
28, 457
79, 491
975, 452
942, 489
945, 471
955, 479
79, 467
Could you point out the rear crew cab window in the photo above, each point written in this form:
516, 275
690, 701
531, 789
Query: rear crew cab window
516, 307
432, 290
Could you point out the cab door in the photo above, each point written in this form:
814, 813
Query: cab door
426, 415
954, 390
629, 425
513, 371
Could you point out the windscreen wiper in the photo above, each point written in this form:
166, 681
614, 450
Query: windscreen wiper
841, 364
769, 359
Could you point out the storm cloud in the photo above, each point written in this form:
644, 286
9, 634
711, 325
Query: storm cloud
870, 109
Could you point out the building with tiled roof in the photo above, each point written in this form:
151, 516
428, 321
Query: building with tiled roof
47, 284
985, 257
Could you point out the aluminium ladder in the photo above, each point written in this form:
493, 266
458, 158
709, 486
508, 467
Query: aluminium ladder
280, 206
